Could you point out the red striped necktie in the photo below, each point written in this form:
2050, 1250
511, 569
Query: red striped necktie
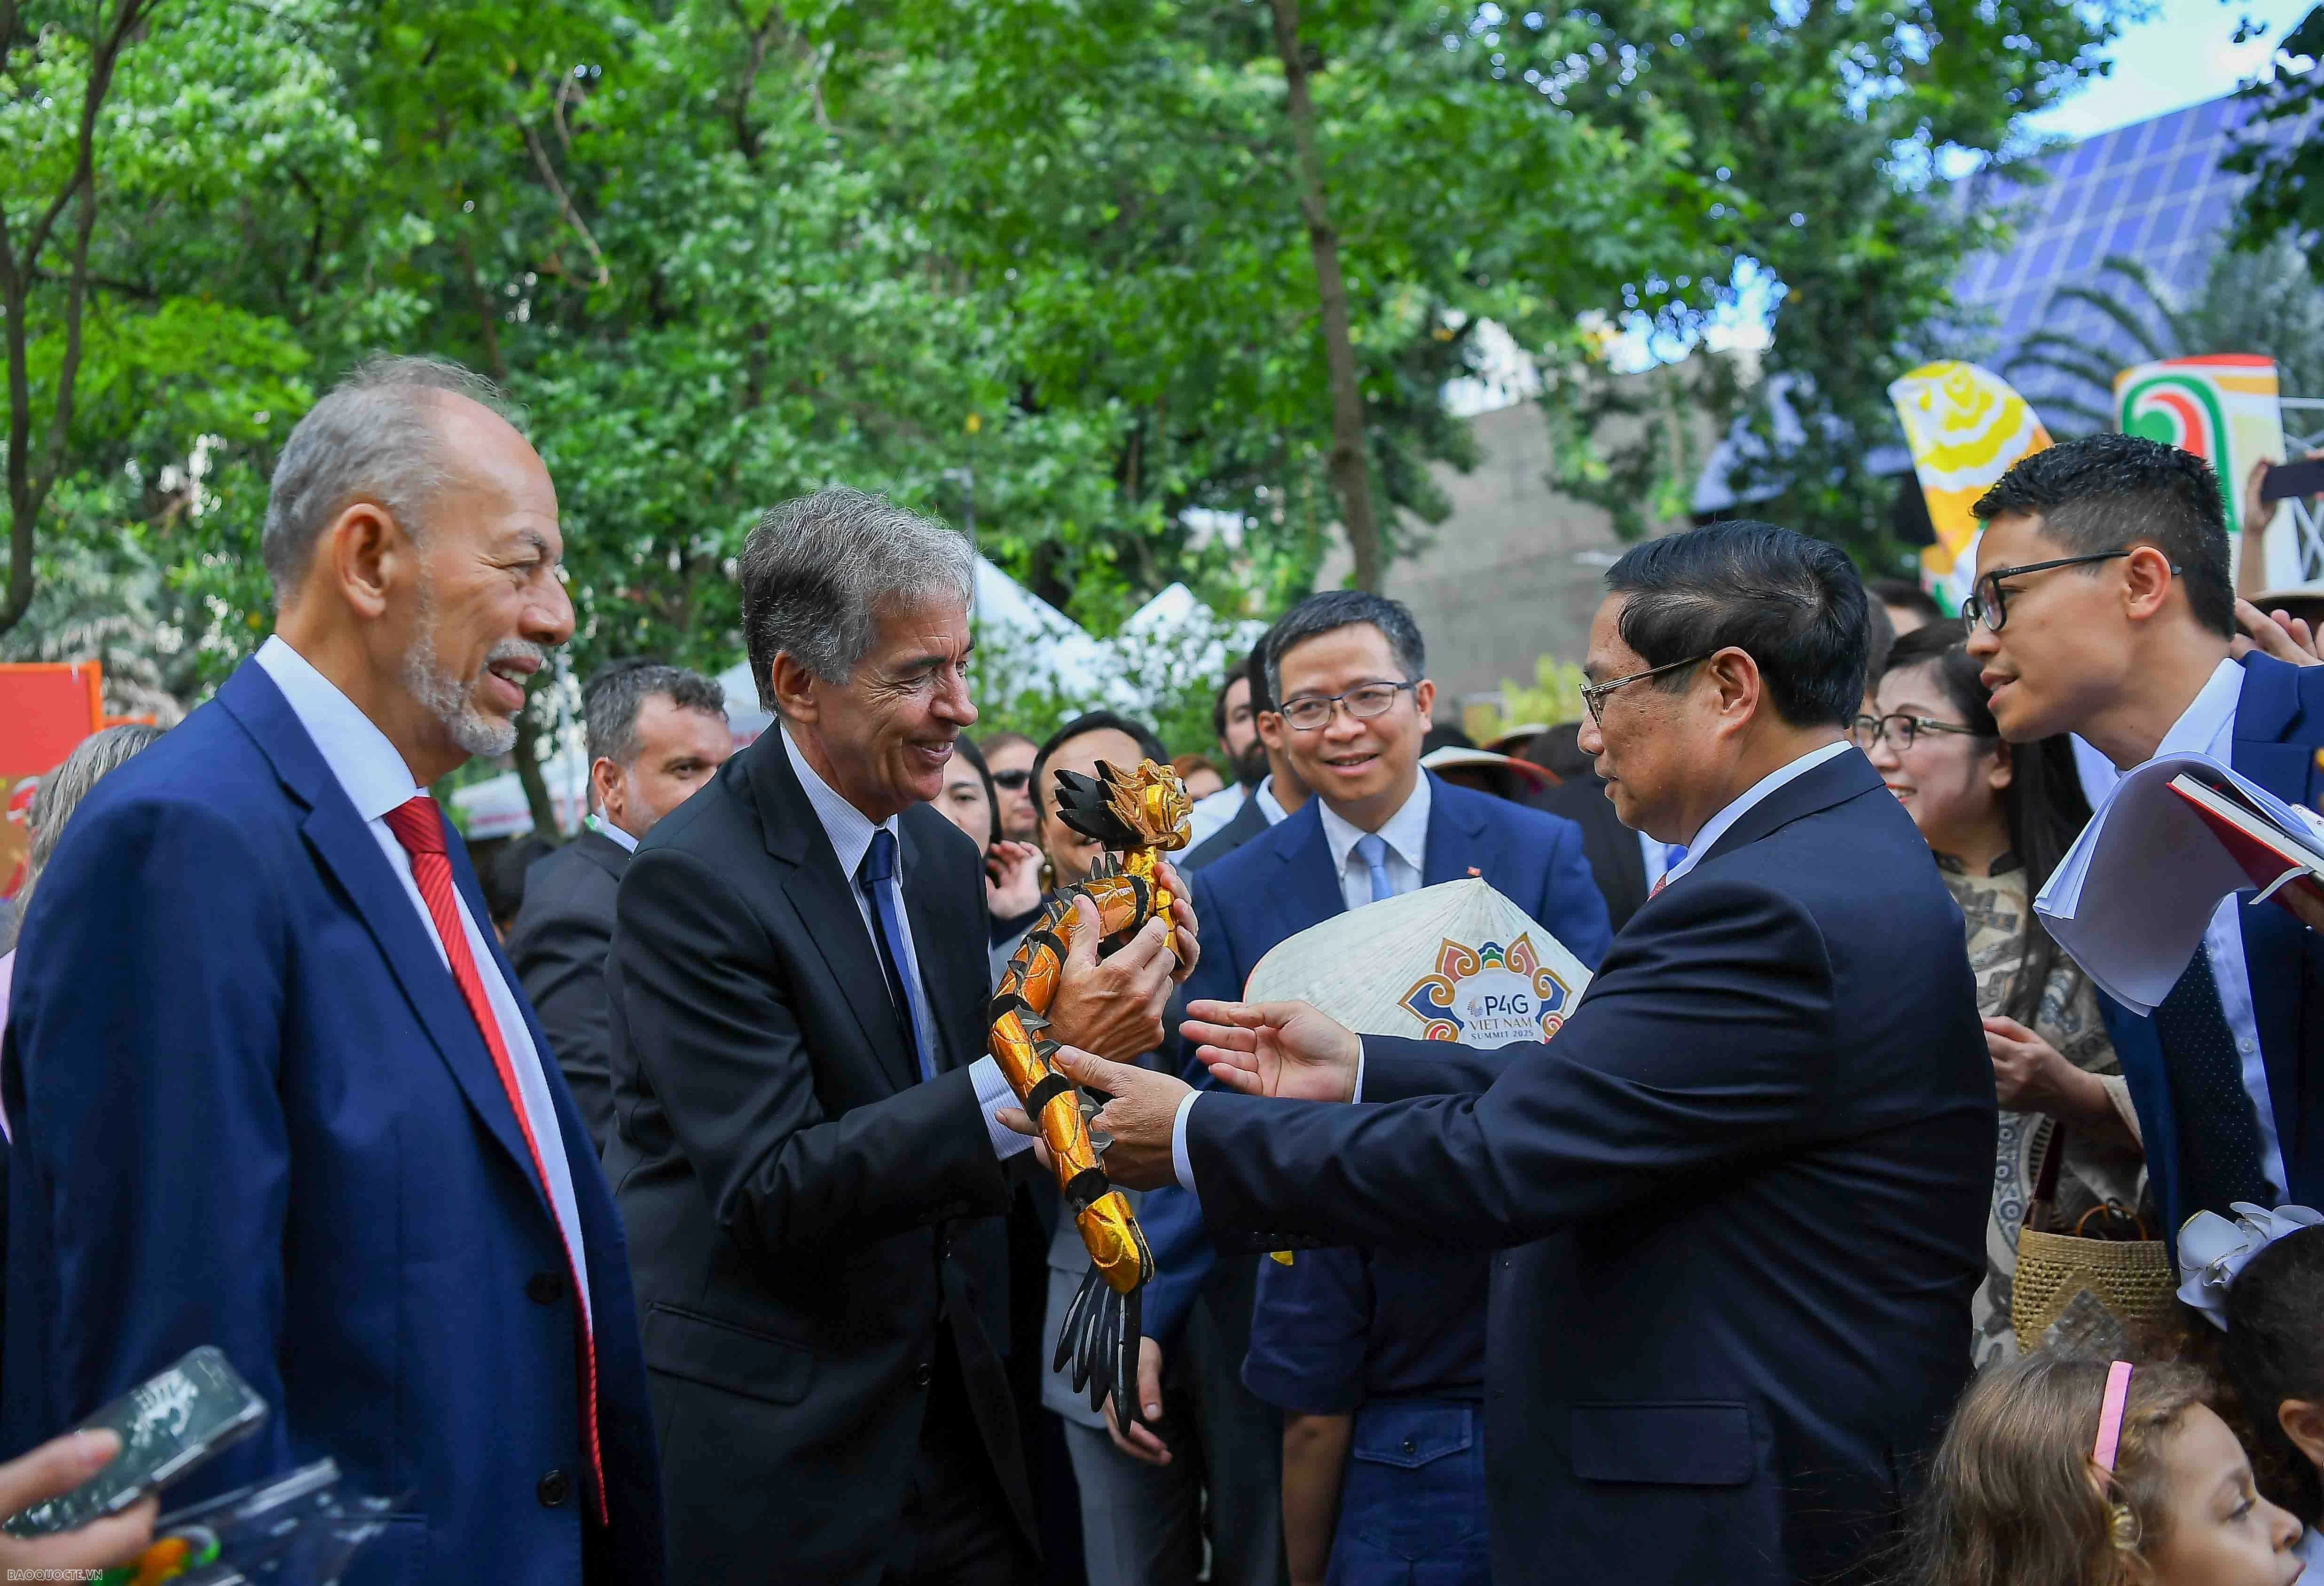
420, 826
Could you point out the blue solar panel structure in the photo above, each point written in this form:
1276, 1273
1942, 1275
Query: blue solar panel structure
2153, 191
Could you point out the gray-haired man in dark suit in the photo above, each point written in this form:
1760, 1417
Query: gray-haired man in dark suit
655, 733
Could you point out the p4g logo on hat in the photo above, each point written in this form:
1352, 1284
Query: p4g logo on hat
1457, 961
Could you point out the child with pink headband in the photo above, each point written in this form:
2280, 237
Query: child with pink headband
2059, 1471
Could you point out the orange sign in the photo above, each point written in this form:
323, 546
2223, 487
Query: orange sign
45, 708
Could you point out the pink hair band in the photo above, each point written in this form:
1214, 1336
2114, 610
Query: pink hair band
2117, 1394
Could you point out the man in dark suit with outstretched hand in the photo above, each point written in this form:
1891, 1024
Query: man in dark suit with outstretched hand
1741, 1194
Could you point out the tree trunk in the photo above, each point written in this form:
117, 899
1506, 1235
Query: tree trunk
527, 756
30, 481
1349, 466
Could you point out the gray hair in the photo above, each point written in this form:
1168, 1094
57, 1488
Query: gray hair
371, 437
62, 791
817, 572
1337, 608
611, 700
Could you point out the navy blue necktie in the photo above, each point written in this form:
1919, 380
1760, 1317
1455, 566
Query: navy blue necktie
2218, 1133
878, 879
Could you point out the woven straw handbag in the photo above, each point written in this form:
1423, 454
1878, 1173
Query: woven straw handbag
2131, 1278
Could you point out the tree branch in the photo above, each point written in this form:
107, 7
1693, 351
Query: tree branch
564, 201
1350, 465
28, 488
761, 37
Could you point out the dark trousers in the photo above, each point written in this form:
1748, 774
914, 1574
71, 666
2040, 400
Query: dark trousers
1412, 1503
957, 1527
1240, 1437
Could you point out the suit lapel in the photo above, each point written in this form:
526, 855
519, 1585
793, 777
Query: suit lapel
825, 902
351, 854
1458, 838
2273, 940
603, 852
1311, 892
1249, 822
472, 893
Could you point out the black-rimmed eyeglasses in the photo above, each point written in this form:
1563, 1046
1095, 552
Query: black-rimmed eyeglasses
1593, 694
1987, 605
1902, 729
1366, 701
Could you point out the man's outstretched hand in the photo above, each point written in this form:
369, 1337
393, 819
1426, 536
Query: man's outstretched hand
1280, 1049
1283, 1048
1140, 1117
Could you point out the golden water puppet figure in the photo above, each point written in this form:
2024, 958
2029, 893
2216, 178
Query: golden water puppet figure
1139, 816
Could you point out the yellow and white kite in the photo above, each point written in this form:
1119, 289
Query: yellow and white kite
1966, 427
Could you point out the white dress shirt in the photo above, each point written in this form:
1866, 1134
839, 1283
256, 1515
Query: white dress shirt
1405, 832
2209, 727
1712, 831
2097, 777
850, 831
371, 773
614, 834
1268, 804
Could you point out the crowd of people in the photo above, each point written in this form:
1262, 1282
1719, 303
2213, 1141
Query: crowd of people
649, 1207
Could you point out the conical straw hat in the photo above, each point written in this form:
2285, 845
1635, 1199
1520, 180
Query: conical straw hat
1454, 962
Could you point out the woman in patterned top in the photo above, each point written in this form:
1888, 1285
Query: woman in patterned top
1998, 818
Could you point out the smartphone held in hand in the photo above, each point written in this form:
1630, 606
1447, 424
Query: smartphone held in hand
168, 1426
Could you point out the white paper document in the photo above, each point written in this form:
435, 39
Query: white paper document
2134, 895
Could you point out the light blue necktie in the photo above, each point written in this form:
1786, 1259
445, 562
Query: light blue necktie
878, 875
1674, 855
1372, 848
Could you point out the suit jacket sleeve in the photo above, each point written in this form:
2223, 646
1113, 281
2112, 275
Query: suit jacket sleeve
559, 956
1705, 1041
1396, 1069
708, 1017
146, 1048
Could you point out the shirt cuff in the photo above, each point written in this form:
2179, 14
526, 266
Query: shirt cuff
992, 1094
1358, 1093
1180, 1163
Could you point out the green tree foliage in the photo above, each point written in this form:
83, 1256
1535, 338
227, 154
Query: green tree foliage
2281, 147
1047, 267
2263, 301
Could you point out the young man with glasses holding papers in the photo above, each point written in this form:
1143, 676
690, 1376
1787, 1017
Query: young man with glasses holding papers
2103, 607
